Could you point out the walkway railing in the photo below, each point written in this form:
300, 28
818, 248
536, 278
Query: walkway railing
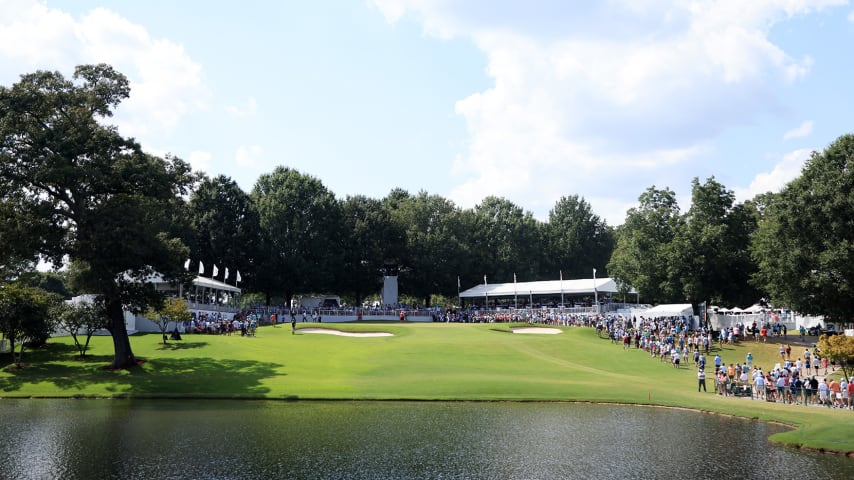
787, 394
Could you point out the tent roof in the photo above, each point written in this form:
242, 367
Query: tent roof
546, 287
215, 284
199, 282
669, 310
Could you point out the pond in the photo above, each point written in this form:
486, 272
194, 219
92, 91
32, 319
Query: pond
163, 439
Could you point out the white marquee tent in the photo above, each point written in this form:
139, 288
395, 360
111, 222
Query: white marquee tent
669, 310
584, 286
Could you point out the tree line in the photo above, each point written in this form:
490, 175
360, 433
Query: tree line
74, 192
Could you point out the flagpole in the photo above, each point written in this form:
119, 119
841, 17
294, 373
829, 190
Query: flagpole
485, 293
561, 291
515, 300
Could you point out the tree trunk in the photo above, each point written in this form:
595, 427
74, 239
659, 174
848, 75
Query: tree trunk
19, 359
123, 356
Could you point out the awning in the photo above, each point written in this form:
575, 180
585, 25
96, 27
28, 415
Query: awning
582, 286
669, 310
215, 284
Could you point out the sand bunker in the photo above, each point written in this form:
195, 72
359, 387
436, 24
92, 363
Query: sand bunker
329, 331
539, 330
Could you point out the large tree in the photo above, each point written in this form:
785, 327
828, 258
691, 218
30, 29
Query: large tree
436, 250
505, 240
301, 234
225, 228
804, 246
578, 240
709, 256
373, 241
639, 259
87, 193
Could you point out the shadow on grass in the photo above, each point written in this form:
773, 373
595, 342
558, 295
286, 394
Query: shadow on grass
171, 378
501, 330
183, 345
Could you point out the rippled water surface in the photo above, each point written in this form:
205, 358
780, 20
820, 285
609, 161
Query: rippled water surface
90, 439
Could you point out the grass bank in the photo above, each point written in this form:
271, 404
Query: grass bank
420, 362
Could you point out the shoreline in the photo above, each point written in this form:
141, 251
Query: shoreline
280, 367
824, 451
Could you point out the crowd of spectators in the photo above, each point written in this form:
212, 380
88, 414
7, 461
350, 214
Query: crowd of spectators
797, 379
216, 324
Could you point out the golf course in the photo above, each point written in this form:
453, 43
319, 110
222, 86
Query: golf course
435, 361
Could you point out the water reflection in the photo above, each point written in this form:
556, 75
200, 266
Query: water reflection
384, 440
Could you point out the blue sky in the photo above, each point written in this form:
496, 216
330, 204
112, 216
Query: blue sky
528, 100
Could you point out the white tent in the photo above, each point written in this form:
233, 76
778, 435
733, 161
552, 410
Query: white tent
669, 310
755, 308
584, 286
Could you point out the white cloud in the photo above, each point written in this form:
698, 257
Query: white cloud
165, 82
804, 130
615, 87
200, 161
851, 16
247, 109
249, 157
785, 171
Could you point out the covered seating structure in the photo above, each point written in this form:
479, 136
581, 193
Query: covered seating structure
550, 288
204, 294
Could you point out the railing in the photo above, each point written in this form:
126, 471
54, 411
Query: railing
213, 307
787, 394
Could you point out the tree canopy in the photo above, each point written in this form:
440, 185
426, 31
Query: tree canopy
225, 229
24, 316
86, 193
577, 239
301, 233
640, 257
804, 244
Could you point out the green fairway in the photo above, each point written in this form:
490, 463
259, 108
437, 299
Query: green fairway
420, 362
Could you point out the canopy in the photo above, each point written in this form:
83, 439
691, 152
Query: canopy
582, 286
215, 284
201, 282
669, 310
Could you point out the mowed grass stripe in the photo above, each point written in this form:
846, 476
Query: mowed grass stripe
420, 362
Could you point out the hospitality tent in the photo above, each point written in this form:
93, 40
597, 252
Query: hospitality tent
679, 310
669, 310
584, 286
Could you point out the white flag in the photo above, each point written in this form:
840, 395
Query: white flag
226, 274
215, 271
187, 264
238, 277
201, 268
